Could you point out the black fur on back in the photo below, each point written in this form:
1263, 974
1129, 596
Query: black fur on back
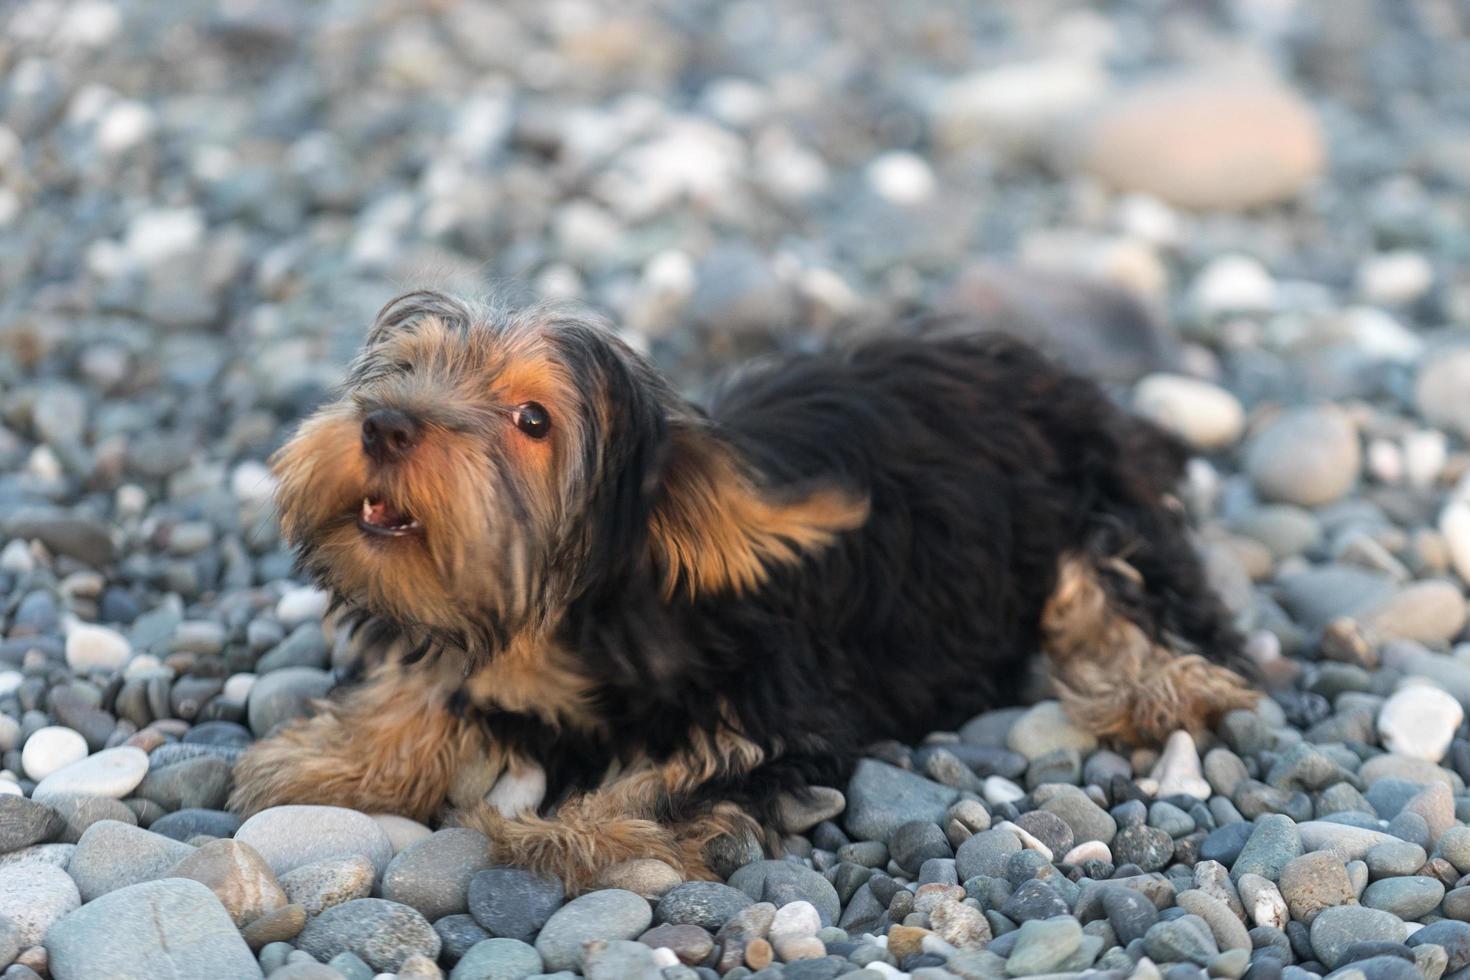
985, 463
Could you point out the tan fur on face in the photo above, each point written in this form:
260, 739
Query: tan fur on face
715, 531
1115, 681
489, 499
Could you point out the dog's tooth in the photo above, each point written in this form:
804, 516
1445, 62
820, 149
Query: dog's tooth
367, 509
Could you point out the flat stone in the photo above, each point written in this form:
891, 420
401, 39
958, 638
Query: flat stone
112, 773
881, 797
169, 928
1410, 897
1335, 929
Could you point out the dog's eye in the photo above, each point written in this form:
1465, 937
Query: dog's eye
404, 367
533, 420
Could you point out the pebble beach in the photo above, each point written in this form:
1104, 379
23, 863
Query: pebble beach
1250, 219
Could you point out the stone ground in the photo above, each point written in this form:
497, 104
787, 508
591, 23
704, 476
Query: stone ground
201, 205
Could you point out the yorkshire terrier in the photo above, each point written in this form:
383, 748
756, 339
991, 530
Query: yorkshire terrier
613, 625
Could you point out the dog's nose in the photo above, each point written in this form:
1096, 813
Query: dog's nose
389, 435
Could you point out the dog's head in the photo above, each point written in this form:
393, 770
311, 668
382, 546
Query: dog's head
482, 471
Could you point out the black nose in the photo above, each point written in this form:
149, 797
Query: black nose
389, 435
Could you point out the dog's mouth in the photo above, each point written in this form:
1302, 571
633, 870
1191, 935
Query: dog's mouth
381, 517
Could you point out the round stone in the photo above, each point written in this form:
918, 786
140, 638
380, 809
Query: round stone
707, 904
498, 959
35, 895
513, 903
291, 836
90, 647
52, 749
1308, 456
433, 875
1419, 721
382, 933
1208, 141
1337, 928
1204, 415
608, 915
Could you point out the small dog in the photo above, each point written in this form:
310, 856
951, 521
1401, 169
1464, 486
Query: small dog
615, 626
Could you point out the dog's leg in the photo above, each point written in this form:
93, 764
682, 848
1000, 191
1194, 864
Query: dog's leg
387, 746
658, 811
1115, 676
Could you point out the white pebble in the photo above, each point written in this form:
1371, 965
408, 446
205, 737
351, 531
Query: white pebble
1091, 850
10, 680
1454, 524
794, 920
1425, 454
1205, 415
1385, 461
1419, 721
158, 235
901, 177
300, 605
252, 482
998, 789
111, 773
663, 956
125, 125
1178, 769
9, 733
237, 687
130, 500
1028, 839
91, 647
51, 749
8, 788
1233, 284
17, 558
1391, 278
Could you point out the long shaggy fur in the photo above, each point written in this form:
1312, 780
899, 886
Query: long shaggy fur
637, 633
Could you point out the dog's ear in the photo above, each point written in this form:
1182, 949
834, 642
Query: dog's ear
714, 530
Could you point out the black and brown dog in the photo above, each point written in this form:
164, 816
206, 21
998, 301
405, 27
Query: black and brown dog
617, 626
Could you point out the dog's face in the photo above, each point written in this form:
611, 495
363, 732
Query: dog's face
481, 472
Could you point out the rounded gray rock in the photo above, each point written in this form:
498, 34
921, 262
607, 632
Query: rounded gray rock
498, 959
1335, 929
382, 933
609, 914
169, 928
433, 875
